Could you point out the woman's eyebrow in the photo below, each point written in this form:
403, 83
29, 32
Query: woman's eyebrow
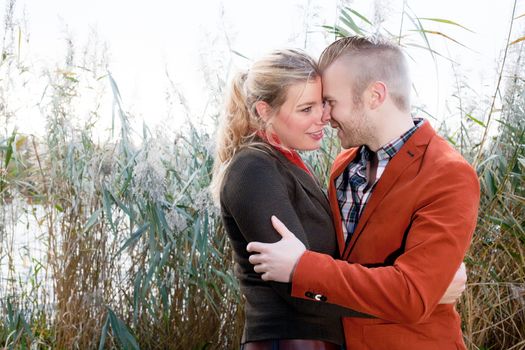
306, 104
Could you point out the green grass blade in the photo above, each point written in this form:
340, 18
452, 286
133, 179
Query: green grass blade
433, 52
104, 333
239, 54
347, 19
9, 152
106, 204
92, 220
446, 21
477, 121
133, 238
440, 34
359, 15
121, 332
522, 162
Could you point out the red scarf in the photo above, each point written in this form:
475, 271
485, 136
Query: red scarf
291, 154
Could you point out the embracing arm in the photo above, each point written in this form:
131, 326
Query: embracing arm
410, 290
254, 191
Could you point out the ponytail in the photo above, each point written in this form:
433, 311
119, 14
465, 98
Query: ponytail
236, 128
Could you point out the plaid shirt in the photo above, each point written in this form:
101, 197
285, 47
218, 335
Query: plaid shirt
352, 186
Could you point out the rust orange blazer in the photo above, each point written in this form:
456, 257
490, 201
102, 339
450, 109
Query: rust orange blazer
409, 242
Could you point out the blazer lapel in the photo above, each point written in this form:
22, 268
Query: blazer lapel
309, 183
340, 164
411, 151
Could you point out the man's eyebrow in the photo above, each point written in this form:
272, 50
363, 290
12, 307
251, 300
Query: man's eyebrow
327, 97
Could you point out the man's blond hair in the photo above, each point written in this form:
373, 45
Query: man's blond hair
372, 60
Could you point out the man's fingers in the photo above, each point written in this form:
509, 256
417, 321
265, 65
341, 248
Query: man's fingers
256, 247
255, 259
280, 227
261, 268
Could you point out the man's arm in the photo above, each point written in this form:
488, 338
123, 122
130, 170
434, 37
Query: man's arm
409, 290
277, 261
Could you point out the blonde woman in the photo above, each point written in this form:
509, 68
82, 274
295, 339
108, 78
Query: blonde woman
273, 110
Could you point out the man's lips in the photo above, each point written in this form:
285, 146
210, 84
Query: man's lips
334, 124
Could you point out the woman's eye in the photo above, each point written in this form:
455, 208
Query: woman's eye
307, 109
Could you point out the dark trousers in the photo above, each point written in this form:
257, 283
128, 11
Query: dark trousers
290, 344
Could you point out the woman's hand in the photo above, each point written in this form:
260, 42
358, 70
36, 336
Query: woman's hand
457, 286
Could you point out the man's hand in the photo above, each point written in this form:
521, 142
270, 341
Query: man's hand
276, 261
457, 286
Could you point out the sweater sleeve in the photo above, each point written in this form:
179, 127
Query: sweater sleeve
253, 191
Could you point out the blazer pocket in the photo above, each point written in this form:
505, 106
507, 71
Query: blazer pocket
402, 337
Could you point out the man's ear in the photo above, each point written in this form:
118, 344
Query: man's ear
377, 92
263, 110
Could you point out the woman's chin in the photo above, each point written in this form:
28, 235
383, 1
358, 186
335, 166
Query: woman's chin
310, 147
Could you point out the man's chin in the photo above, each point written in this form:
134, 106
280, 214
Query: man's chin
346, 145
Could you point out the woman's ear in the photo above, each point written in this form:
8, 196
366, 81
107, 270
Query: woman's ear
263, 110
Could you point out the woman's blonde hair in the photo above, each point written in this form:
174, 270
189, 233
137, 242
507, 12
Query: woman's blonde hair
267, 80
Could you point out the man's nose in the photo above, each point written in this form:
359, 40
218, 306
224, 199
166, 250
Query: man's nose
325, 118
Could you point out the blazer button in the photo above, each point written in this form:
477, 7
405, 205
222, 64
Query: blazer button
320, 297
309, 295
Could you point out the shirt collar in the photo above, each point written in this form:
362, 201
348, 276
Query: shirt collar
389, 150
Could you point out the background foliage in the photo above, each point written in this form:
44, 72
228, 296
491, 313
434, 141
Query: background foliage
131, 253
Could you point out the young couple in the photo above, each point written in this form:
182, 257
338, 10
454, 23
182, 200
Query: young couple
373, 265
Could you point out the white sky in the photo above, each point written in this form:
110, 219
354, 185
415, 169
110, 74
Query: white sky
147, 38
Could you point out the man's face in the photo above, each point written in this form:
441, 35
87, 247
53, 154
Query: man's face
346, 109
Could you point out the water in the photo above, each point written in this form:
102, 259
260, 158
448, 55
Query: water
24, 272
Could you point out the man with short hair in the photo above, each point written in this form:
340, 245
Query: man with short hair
404, 204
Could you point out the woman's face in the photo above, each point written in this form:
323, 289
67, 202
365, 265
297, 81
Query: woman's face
300, 122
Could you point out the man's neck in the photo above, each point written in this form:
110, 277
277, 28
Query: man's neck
390, 129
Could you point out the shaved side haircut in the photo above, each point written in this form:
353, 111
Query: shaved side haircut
371, 60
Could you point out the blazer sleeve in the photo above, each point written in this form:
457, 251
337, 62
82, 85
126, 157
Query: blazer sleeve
407, 292
254, 190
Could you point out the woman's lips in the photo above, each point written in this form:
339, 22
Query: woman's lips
317, 135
